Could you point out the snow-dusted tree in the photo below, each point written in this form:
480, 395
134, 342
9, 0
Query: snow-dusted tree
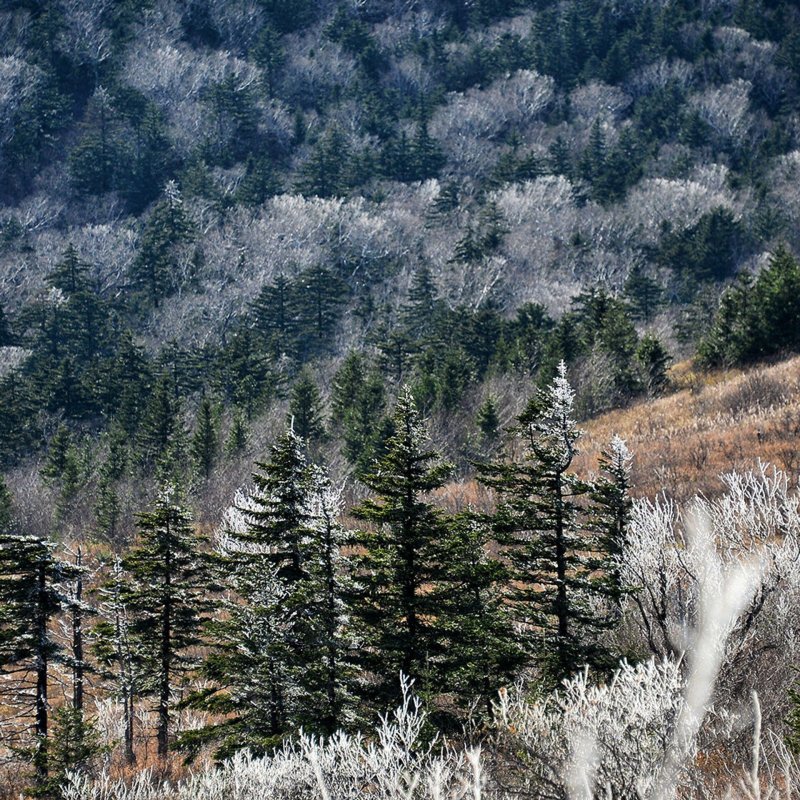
167, 594
399, 560
277, 659
553, 551
611, 511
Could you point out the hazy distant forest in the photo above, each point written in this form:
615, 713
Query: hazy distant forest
315, 318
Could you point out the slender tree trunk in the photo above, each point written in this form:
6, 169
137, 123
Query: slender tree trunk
166, 658
41, 674
561, 604
77, 640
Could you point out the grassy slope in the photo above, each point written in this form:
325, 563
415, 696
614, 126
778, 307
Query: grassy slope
710, 425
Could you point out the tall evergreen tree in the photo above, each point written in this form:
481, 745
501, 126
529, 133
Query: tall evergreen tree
31, 594
482, 652
305, 409
205, 442
278, 657
167, 596
399, 562
541, 519
155, 270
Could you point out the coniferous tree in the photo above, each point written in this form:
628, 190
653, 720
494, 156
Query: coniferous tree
654, 361
321, 295
237, 435
399, 563
155, 270
205, 444
278, 657
488, 421
276, 316
552, 551
305, 409
482, 652
611, 514
31, 594
162, 436
166, 594
119, 656
643, 293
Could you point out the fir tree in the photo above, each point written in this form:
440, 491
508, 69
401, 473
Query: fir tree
119, 655
167, 596
552, 552
205, 442
237, 435
654, 361
643, 293
488, 421
276, 316
155, 270
482, 652
399, 564
611, 513
31, 595
305, 409
278, 657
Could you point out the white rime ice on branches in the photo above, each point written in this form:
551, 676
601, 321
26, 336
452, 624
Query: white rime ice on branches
396, 763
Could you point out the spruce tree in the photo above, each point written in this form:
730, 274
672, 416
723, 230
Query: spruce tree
120, 657
305, 409
205, 444
610, 516
277, 661
155, 269
167, 596
31, 595
541, 520
276, 315
482, 652
398, 563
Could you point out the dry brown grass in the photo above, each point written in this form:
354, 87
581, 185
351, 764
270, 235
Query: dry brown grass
712, 424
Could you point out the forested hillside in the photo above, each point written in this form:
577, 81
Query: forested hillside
302, 307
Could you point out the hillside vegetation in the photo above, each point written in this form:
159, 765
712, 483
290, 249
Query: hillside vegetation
353, 353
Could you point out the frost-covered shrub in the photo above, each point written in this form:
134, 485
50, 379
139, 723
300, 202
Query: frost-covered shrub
397, 763
613, 735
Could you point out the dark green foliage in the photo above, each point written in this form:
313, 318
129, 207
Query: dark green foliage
156, 271
161, 439
654, 361
305, 409
237, 435
31, 594
488, 421
74, 745
707, 250
483, 651
644, 293
277, 317
330, 170
756, 318
205, 442
278, 657
552, 549
320, 296
611, 514
399, 559
166, 594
